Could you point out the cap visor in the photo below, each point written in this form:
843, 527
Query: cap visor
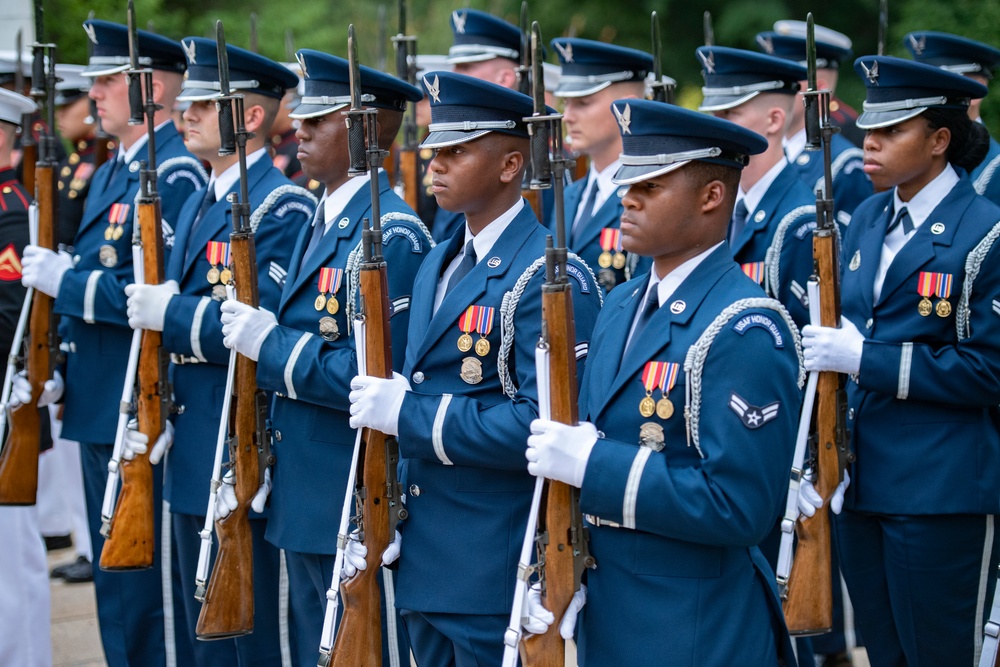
197, 95
102, 70
451, 138
580, 89
629, 174
471, 58
871, 120
722, 102
314, 110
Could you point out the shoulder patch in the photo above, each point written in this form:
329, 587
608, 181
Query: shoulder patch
392, 231
294, 205
177, 174
766, 322
575, 272
807, 228
753, 417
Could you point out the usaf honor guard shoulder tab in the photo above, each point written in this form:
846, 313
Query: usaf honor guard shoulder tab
759, 320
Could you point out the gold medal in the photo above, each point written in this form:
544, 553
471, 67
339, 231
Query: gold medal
472, 370
332, 305
604, 260
225, 276
108, 256
320, 302
118, 233
66, 171
109, 232
464, 342
647, 407
618, 261
651, 435
482, 347
924, 307
943, 308
664, 408
328, 329
213, 275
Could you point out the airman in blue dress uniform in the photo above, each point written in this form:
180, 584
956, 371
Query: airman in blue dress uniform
88, 288
307, 355
977, 61
594, 74
186, 310
462, 414
692, 392
850, 185
775, 213
919, 337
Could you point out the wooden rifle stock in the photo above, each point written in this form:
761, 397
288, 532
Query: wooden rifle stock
19, 458
131, 537
29, 156
409, 173
229, 605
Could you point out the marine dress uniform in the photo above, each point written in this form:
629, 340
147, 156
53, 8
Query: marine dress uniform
463, 425
308, 360
95, 332
593, 205
771, 232
917, 540
192, 333
693, 384
850, 184
978, 61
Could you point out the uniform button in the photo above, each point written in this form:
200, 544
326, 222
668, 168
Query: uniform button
277, 436
600, 435
418, 377
414, 490
869, 323
850, 413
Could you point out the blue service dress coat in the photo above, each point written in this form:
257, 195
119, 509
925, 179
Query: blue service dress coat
779, 234
311, 374
192, 331
686, 518
462, 441
985, 176
91, 301
923, 410
851, 185
586, 241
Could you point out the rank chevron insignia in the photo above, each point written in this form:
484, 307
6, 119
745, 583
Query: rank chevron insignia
996, 303
459, 19
624, 118
565, 51
752, 416
190, 50
10, 264
434, 88
708, 60
872, 73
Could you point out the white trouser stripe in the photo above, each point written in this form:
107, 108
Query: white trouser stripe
436, 431
984, 578
284, 641
632, 486
167, 583
389, 588
90, 295
905, 364
199, 315
290, 365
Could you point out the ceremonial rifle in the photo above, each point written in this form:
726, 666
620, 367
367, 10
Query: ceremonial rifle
808, 594
408, 173
663, 91
19, 458
555, 525
228, 605
377, 493
130, 530
524, 85
29, 149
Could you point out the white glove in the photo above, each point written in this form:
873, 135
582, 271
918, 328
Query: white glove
536, 619
137, 442
244, 328
391, 552
20, 390
830, 349
809, 499
355, 554
559, 451
147, 304
225, 499
376, 402
43, 269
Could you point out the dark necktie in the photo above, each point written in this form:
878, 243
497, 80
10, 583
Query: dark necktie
586, 210
902, 218
467, 264
206, 203
319, 229
115, 168
649, 308
739, 221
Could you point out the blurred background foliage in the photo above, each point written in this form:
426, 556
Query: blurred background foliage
287, 25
